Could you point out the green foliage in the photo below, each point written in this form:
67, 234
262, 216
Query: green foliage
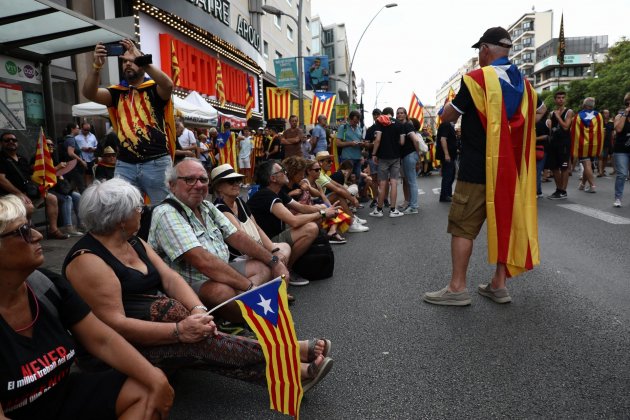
611, 83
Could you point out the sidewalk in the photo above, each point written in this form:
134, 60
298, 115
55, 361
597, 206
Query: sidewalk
55, 252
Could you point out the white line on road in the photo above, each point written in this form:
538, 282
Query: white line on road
437, 191
598, 214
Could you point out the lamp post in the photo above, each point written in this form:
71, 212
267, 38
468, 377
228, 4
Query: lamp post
378, 92
275, 11
387, 6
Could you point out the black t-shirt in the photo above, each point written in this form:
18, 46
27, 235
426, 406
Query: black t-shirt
609, 127
338, 177
369, 136
13, 176
622, 141
261, 204
447, 130
407, 147
34, 371
270, 144
559, 134
389, 147
542, 130
244, 213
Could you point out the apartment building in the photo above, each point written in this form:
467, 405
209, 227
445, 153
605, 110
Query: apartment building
528, 33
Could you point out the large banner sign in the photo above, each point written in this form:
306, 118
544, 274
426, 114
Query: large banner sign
316, 73
286, 72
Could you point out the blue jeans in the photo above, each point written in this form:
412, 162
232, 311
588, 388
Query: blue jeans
540, 165
621, 166
149, 177
448, 177
66, 204
409, 169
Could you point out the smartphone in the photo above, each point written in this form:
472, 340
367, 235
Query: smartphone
114, 49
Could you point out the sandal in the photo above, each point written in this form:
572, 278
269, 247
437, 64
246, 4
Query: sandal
316, 373
336, 239
311, 357
57, 235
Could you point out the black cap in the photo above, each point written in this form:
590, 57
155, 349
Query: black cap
376, 111
227, 124
495, 36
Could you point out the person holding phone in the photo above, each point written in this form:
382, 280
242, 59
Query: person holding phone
144, 138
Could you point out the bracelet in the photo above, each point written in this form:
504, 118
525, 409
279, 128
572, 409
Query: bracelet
96, 66
176, 332
199, 307
322, 213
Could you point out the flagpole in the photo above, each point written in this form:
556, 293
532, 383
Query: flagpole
281, 278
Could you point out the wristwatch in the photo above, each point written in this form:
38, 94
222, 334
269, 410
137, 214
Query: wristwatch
274, 260
322, 213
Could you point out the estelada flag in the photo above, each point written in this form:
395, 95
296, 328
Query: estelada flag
278, 103
416, 109
266, 310
44, 174
228, 148
219, 84
508, 117
587, 134
323, 104
249, 99
174, 65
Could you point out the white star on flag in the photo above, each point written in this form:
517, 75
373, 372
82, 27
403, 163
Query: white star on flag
589, 116
265, 303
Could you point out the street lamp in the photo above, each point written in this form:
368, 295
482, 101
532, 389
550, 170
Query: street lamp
387, 6
275, 11
378, 91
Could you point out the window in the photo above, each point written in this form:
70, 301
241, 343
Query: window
278, 55
289, 33
276, 21
265, 49
329, 36
330, 51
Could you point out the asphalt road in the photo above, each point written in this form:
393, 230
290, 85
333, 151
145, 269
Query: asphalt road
561, 349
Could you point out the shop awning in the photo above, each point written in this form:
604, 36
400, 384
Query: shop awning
40, 30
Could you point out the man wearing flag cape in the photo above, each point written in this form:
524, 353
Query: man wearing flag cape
497, 174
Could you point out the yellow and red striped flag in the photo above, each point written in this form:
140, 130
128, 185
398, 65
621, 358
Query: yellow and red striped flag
449, 97
44, 173
323, 103
416, 109
174, 65
278, 103
587, 134
249, 99
219, 84
266, 310
511, 207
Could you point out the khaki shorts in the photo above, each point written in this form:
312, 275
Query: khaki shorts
284, 236
468, 210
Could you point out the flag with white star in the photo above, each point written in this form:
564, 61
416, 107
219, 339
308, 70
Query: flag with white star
266, 310
323, 103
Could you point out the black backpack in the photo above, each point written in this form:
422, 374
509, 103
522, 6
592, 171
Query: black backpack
319, 260
145, 219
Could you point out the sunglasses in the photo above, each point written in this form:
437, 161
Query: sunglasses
11, 139
25, 231
191, 180
327, 160
234, 181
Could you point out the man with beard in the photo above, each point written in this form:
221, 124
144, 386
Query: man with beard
141, 113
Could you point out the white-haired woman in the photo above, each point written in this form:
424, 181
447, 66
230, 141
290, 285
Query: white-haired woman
131, 289
37, 351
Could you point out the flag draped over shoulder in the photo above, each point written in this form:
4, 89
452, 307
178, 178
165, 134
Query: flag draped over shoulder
509, 121
561, 42
587, 134
278, 103
323, 103
219, 84
416, 109
174, 65
266, 310
249, 99
44, 174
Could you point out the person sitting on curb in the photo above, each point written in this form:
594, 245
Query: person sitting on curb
195, 242
270, 207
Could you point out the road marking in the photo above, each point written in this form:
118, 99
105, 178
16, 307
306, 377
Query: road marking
437, 191
421, 191
598, 214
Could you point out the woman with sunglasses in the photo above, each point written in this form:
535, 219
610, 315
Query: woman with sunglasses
134, 291
36, 313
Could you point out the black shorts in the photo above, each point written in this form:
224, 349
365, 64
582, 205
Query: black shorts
559, 154
92, 395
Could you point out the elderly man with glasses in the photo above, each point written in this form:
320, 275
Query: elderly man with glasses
193, 240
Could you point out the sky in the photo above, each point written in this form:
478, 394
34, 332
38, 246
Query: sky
418, 45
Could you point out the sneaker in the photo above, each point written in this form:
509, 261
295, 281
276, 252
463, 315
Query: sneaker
539, 195
403, 206
581, 187
448, 298
395, 213
557, 196
373, 204
296, 280
356, 228
617, 202
72, 231
592, 189
376, 213
410, 210
496, 295
563, 195
360, 221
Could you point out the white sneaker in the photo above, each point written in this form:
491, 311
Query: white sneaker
395, 213
376, 213
296, 280
360, 221
410, 210
617, 202
356, 228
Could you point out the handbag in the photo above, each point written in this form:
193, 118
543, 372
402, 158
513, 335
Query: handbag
540, 152
31, 189
63, 187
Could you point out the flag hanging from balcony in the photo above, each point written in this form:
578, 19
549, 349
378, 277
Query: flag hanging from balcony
174, 65
219, 84
249, 99
561, 42
266, 310
44, 174
323, 103
278, 103
416, 109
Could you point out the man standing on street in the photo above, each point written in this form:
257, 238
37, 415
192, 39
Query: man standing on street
319, 142
87, 144
498, 109
141, 112
350, 141
559, 156
292, 138
447, 154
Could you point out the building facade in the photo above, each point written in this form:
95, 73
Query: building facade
528, 33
